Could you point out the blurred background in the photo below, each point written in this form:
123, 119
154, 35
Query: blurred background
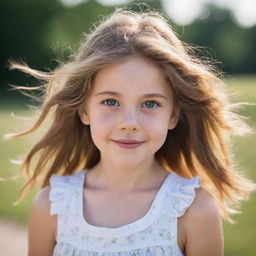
40, 31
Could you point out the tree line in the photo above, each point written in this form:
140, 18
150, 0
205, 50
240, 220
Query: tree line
38, 32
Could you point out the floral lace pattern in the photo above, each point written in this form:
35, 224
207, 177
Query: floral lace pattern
153, 234
68, 250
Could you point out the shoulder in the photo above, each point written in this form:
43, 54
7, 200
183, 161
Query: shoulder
42, 225
203, 205
42, 198
41, 207
203, 226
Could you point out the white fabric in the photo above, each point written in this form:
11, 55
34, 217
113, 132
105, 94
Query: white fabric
153, 234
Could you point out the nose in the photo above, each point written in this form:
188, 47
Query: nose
128, 120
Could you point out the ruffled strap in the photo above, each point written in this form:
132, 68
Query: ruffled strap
181, 192
63, 190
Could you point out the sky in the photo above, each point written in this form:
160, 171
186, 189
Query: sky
183, 12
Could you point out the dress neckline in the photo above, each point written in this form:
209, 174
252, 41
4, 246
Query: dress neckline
131, 227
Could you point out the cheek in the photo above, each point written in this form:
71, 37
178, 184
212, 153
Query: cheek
159, 131
158, 128
157, 121
100, 124
103, 119
159, 138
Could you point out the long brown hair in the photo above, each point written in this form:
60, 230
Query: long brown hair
199, 144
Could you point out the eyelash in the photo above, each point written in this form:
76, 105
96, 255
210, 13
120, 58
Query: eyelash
104, 102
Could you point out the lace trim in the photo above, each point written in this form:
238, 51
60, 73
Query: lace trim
182, 193
63, 190
159, 248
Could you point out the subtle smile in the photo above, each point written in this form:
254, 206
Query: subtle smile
128, 144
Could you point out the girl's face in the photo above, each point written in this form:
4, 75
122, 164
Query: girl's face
130, 110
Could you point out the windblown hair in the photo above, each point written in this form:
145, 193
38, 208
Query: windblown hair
198, 145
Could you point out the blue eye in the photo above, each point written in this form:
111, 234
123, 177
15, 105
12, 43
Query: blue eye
110, 102
151, 104
147, 104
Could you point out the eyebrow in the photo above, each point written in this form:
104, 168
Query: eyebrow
148, 95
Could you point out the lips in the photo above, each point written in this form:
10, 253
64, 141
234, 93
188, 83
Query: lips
128, 144
128, 141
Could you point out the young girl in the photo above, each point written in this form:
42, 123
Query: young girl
136, 159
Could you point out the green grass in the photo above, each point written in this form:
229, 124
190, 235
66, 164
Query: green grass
239, 238
12, 149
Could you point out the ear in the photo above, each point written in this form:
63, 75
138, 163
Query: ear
83, 116
174, 119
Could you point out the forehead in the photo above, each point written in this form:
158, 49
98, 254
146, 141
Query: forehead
133, 74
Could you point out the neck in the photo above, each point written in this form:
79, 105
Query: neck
111, 176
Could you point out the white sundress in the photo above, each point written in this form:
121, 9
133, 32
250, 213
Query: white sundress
155, 234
